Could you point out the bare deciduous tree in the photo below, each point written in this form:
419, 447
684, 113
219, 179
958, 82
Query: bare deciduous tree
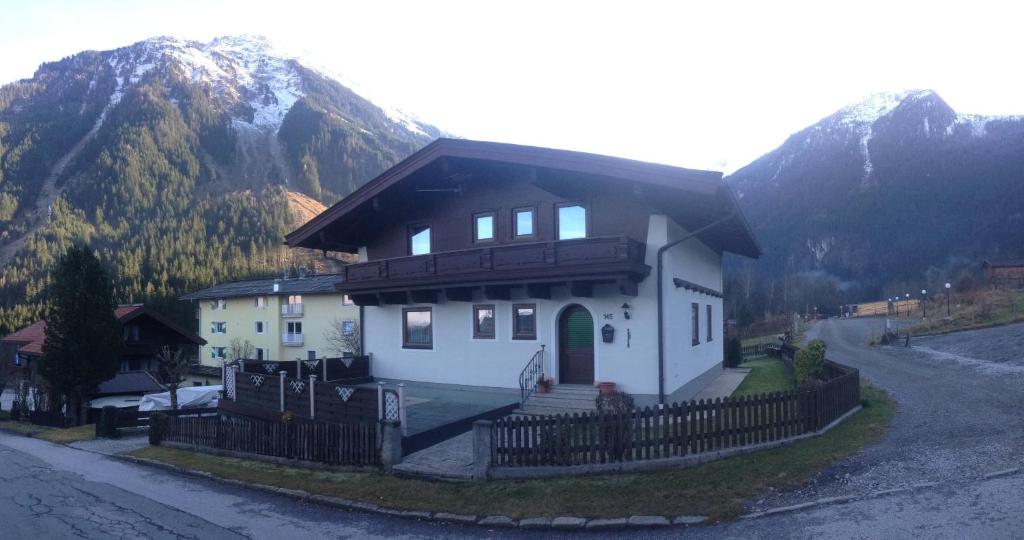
342, 336
240, 350
173, 368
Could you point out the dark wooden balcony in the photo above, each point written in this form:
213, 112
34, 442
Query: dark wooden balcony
538, 265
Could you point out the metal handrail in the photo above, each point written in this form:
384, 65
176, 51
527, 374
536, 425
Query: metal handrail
531, 375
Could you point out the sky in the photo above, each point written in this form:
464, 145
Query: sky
709, 85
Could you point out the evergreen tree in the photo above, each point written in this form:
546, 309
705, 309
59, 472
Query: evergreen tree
83, 336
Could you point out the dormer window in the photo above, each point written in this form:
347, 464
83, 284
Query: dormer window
483, 227
572, 222
419, 240
524, 222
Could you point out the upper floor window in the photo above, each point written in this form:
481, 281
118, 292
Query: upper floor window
572, 222
695, 323
483, 227
218, 352
417, 328
524, 321
218, 327
524, 222
295, 299
219, 303
259, 327
419, 240
260, 302
131, 332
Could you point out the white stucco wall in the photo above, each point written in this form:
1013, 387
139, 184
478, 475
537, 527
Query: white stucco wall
695, 262
457, 358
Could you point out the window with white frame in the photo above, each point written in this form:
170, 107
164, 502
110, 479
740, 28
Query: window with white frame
260, 302
348, 328
219, 303
218, 352
695, 323
260, 327
218, 327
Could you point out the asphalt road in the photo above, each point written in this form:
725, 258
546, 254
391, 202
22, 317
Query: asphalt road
958, 420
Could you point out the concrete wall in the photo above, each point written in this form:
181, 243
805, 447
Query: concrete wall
241, 315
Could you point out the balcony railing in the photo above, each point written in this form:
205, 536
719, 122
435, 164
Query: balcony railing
291, 310
535, 260
293, 340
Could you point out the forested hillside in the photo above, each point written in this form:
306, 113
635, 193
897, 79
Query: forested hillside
174, 161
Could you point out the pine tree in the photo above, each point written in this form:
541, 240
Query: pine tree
83, 336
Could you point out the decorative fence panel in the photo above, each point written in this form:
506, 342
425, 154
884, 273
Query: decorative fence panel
352, 369
348, 368
260, 395
335, 444
678, 429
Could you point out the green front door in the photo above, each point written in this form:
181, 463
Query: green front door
576, 346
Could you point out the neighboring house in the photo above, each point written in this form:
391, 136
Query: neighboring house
145, 333
282, 319
474, 255
1005, 274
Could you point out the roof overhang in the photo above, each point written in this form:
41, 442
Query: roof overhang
692, 197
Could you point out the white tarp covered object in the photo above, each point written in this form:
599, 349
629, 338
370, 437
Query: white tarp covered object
189, 397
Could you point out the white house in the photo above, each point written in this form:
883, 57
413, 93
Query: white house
473, 256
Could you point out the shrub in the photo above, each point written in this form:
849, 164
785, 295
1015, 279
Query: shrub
615, 403
809, 364
16, 411
733, 353
157, 428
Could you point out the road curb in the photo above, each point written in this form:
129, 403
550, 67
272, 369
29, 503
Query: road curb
490, 521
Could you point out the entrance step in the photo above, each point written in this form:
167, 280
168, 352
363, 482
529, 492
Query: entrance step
562, 399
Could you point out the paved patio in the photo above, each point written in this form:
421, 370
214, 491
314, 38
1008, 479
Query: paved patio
431, 405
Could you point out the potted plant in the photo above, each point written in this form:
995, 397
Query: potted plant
544, 385
606, 388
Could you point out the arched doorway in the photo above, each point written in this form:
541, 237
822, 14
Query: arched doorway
575, 346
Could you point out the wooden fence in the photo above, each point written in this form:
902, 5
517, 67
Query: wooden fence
268, 396
353, 370
133, 417
334, 444
678, 429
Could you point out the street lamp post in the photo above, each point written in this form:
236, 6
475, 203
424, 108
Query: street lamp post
924, 303
907, 296
947, 299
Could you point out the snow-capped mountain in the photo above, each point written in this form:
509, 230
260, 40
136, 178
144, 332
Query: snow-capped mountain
884, 188
179, 160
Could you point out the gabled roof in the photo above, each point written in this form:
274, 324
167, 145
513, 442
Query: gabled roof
318, 284
734, 236
31, 338
130, 382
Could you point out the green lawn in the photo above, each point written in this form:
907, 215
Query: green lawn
85, 432
717, 489
766, 375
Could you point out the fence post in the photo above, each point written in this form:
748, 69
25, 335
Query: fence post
482, 449
380, 400
323, 364
312, 396
390, 445
401, 409
281, 393
241, 365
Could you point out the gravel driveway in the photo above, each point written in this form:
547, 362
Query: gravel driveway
960, 400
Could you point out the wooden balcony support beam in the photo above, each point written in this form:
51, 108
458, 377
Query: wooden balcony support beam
539, 290
425, 296
370, 299
498, 292
394, 298
459, 294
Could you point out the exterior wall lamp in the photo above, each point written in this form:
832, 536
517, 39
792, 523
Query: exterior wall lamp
625, 310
